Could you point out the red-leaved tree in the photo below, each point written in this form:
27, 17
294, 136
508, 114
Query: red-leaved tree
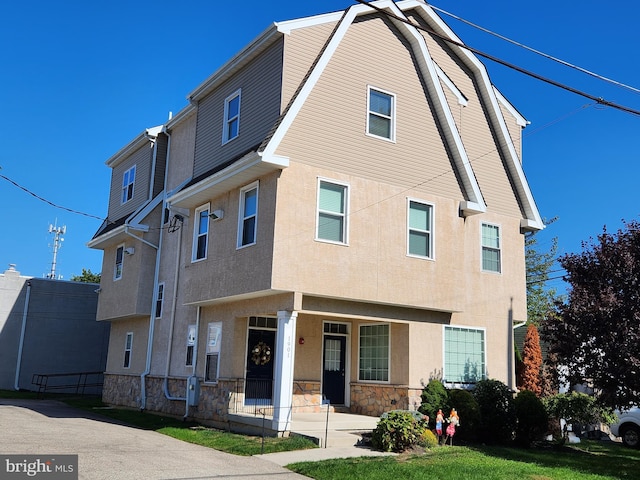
532, 361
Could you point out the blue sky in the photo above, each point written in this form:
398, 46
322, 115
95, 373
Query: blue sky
81, 79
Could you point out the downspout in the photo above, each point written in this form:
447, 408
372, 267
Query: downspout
171, 326
16, 383
152, 320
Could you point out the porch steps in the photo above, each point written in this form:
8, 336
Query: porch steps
342, 429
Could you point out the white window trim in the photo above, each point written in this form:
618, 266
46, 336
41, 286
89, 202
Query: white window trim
432, 240
482, 246
130, 349
382, 382
133, 185
392, 132
215, 329
159, 299
347, 204
191, 327
241, 217
196, 225
227, 120
444, 354
117, 277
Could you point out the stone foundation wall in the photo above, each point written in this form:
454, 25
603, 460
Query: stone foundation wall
375, 399
122, 390
307, 397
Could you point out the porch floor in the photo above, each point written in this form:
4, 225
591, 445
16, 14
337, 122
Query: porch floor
335, 430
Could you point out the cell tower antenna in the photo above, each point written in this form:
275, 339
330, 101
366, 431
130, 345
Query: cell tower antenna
57, 245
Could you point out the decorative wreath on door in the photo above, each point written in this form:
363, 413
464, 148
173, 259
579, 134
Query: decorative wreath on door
261, 353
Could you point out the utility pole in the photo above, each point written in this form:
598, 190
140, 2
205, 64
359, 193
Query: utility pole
57, 244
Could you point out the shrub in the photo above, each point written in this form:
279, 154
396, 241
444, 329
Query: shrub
578, 408
467, 407
434, 396
532, 418
398, 431
497, 411
427, 438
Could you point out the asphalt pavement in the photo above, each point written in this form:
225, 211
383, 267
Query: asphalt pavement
110, 451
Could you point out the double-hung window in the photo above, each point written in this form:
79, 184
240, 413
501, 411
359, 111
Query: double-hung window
420, 229
248, 215
117, 271
191, 345
231, 127
491, 248
201, 233
128, 348
332, 212
381, 114
159, 300
373, 361
214, 334
464, 354
128, 180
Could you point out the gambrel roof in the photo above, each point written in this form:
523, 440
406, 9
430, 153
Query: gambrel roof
264, 159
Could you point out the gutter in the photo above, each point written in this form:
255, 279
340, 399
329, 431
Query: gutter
25, 311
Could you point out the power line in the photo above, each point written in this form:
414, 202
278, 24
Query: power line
512, 66
25, 189
538, 52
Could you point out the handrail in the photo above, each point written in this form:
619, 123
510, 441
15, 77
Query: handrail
78, 382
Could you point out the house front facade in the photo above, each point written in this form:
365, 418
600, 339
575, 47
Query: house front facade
317, 227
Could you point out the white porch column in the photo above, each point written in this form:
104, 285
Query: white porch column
283, 375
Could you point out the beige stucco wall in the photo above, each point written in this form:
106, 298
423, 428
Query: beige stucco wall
115, 359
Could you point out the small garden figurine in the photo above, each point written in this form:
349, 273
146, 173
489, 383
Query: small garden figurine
439, 422
454, 421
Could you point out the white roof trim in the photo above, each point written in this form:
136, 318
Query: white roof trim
149, 135
520, 120
462, 100
488, 93
429, 71
288, 26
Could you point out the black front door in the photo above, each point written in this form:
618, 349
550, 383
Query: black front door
260, 358
333, 369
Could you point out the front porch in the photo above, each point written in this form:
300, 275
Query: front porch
328, 429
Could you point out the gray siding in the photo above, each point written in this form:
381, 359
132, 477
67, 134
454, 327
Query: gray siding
260, 82
161, 163
142, 158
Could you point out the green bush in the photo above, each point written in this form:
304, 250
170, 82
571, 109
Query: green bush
532, 418
398, 431
434, 396
497, 411
468, 411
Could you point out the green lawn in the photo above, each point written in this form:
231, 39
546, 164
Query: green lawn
174, 427
589, 460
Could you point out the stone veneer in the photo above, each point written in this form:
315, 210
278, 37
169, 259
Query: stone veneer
375, 399
217, 401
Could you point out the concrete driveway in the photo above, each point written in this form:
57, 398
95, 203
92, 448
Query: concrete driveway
107, 450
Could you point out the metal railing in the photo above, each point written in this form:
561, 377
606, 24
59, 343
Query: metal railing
76, 383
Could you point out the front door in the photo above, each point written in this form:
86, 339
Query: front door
260, 359
333, 370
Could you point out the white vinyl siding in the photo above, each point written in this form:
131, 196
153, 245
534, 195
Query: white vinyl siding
332, 212
381, 108
248, 215
420, 229
231, 127
491, 248
200, 233
464, 354
373, 357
